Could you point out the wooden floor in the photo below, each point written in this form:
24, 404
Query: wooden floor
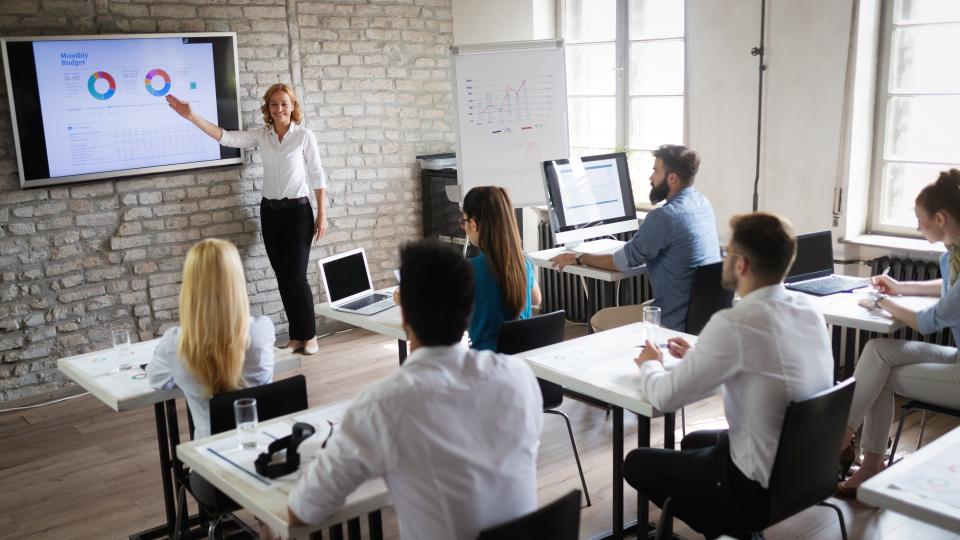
78, 470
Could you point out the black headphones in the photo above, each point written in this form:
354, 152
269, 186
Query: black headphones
264, 463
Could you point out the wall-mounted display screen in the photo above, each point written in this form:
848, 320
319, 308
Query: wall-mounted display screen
87, 108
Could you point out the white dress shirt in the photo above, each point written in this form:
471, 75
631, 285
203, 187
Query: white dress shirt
290, 168
454, 432
772, 348
166, 370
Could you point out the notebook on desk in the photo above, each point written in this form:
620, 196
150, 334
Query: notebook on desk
346, 279
812, 271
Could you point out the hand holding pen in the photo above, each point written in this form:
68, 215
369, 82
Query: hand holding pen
885, 284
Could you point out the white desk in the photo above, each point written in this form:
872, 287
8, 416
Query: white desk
605, 246
842, 309
269, 503
125, 390
924, 485
388, 322
601, 366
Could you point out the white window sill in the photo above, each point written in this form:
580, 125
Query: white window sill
917, 246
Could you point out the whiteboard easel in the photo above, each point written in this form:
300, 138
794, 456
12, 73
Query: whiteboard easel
510, 102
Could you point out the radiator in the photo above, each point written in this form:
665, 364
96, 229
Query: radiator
566, 291
848, 343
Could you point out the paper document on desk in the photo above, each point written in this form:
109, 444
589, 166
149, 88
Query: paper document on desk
937, 479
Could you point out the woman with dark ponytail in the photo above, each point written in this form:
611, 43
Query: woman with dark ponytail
915, 369
503, 276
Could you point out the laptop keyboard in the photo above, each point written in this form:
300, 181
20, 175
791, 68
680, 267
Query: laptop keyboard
364, 302
829, 285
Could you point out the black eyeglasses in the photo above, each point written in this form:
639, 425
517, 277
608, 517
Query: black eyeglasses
324, 443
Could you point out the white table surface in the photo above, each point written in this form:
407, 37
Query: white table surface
842, 309
123, 390
601, 365
542, 259
387, 323
938, 461
270, 503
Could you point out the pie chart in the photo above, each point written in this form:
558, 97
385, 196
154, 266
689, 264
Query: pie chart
92, 85
153, 74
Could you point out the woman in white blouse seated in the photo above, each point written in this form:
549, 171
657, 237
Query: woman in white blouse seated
291, 167
914, 369
217, 346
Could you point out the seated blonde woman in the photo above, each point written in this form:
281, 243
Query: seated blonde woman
217, 347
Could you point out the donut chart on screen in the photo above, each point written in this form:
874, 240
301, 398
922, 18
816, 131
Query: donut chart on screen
111, 85
148, 82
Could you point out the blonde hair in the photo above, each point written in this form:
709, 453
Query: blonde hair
214, 315
499, 240
296, 116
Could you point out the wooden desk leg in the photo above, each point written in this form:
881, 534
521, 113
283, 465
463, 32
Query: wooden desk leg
402, 348
617, 529
375, 523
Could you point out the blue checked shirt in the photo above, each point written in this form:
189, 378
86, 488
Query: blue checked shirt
673, 240
946, 312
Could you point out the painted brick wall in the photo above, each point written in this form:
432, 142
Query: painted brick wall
80, 260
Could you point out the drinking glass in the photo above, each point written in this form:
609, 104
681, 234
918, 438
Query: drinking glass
651, 324
245, 414
121, 345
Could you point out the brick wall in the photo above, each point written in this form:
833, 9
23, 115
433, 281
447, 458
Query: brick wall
80, 260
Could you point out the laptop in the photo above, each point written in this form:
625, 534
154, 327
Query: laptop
812, 271
346, 278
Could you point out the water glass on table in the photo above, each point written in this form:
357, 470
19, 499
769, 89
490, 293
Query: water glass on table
121, 346
651, 323
245, 414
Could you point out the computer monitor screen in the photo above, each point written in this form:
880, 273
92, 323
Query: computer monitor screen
814, 257
589, 197
346, 276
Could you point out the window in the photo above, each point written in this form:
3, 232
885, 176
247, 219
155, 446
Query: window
625, 65
918, 108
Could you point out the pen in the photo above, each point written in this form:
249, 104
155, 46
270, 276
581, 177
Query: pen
661, 345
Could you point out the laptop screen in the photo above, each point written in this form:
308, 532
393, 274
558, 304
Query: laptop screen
346, 276
814, 257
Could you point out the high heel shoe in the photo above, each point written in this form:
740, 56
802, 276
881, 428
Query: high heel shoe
311, 347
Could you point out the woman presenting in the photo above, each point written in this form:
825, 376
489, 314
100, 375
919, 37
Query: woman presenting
291, 167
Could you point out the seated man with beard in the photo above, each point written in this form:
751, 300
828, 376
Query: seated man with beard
673, 240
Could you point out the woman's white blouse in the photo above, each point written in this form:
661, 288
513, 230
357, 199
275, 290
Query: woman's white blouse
166, 370
290, 168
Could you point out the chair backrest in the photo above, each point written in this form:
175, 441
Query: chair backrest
805, 468
559, 520
275, 399
707, 296
521, 335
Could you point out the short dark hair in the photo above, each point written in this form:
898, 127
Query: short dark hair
767, 241
436, 291
680, 160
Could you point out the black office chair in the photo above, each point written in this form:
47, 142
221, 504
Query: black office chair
522, 335
805, 469
559, 520
917, 405
275, 399
707, 296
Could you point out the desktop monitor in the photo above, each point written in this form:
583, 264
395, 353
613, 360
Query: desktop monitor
589, 197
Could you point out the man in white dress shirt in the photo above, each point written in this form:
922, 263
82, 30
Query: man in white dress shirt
454, 431
770, 349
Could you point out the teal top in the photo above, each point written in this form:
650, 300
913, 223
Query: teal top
488, 311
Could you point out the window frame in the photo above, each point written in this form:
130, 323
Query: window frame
622, 96
881, 104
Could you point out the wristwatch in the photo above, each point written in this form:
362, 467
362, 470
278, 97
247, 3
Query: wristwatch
577, 258
876, 300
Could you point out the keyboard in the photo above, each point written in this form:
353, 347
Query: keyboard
829, 285
364, 302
